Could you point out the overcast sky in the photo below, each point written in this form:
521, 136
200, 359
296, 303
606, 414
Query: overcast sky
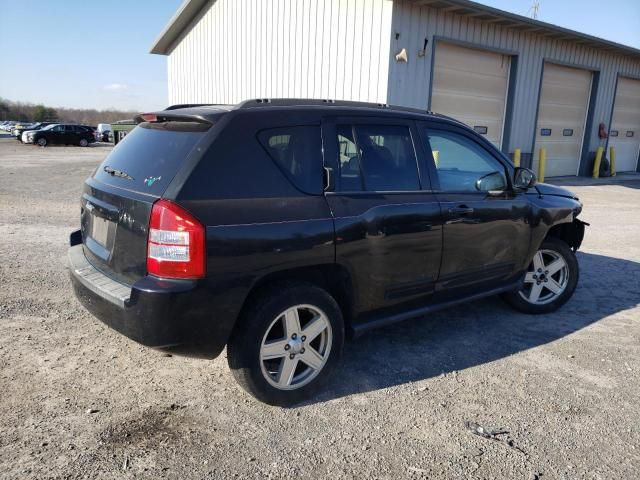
91, 54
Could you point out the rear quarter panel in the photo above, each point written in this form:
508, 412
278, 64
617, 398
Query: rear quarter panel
257, 221
259, 242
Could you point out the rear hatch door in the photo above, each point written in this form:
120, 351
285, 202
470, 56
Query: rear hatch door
117, 199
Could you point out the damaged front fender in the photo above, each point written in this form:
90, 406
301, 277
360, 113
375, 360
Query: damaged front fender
555, 215
571, 233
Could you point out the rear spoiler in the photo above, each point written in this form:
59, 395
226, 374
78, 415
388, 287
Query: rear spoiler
164, 116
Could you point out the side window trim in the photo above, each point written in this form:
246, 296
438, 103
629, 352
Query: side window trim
354, 134
331, 151
338, 170
424, 127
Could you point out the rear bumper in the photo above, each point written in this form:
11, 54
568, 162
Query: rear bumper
170, 315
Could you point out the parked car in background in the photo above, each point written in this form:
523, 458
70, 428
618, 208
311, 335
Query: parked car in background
63, 134
7, 125
93, 130
20, 130
277, 227
27, 136
104, 132
104, 136
21, 126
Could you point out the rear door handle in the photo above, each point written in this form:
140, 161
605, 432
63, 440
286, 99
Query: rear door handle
462, 210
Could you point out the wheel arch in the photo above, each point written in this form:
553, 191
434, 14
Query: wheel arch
572, 233
333, 278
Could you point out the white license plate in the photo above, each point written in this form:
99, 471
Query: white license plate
100, 230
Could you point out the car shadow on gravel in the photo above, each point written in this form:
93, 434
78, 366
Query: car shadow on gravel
479, 332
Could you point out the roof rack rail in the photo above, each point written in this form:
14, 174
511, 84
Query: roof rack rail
190, 105
292, 102
310, 102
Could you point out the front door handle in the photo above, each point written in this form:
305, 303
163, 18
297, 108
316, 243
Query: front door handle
462, 210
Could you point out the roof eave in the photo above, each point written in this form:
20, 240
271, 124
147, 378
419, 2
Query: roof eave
469, 7
191, 8
178, 23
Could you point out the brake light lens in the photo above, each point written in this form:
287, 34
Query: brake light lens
176, 244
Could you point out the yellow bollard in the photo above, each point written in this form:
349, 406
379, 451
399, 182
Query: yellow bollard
541, 164
516, 157
612, 160
596, 163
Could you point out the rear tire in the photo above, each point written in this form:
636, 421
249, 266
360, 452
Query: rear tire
83, 142
550, 280
269, 353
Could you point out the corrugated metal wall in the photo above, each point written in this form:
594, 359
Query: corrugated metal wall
345, 49
241, 49
409, 83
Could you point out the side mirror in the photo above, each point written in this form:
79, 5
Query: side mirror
491, 182
523, 178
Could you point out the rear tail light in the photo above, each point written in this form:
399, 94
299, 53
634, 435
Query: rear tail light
176, 244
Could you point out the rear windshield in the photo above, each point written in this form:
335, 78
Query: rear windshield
147, 159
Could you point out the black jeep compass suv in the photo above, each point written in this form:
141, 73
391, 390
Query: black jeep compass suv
278, 227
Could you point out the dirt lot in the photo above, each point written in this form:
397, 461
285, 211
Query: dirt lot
80, 401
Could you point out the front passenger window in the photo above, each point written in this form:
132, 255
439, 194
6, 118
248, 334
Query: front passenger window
463, 165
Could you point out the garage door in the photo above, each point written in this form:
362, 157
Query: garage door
562, 114
625, 125
471, 86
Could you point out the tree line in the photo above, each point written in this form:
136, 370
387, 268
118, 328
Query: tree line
29, 112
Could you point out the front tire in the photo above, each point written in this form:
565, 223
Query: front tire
42, 142
287, 343
550, 280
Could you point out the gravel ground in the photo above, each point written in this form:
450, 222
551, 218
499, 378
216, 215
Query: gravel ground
80, 401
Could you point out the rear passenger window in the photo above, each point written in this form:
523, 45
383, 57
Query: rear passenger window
298, 153
377, 158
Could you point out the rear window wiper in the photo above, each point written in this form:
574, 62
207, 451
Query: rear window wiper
117, 173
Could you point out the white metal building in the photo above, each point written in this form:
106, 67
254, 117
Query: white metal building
521, 82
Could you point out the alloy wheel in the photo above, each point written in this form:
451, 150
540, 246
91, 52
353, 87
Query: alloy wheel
295, 347
546, 279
